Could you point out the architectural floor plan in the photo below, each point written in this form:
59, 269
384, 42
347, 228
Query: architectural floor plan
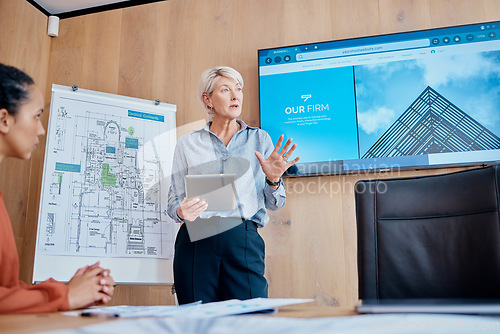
105, 182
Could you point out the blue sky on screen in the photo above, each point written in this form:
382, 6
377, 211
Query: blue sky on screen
384, 91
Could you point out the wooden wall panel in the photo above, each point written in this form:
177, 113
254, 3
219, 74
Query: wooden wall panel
159, 51
456, 12
355, 18
491, 9
404, 15
129, 294
103, 33
86, 53
305, 19
322, 260
142, 58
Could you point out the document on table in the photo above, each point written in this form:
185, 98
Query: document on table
193, 310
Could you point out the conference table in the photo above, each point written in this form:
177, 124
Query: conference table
47, 322
306, 318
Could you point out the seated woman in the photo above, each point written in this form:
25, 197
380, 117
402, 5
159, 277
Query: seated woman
21, 104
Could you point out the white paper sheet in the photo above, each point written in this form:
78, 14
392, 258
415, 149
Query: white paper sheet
194, 310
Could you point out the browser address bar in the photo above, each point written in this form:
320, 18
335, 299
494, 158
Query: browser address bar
375, 48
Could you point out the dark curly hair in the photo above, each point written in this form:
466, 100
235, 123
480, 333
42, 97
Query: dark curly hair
14, 85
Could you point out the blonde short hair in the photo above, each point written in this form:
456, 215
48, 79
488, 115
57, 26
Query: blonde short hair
207, 83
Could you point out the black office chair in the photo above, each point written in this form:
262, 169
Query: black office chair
432, 236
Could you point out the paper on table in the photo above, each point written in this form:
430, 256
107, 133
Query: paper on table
235, 306
196, 310
126, 311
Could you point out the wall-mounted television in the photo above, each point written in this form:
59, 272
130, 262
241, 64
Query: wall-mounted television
413, 100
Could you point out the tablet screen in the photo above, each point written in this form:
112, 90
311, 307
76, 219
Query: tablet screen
218, 190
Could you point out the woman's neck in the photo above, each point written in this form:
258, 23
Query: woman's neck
224, 129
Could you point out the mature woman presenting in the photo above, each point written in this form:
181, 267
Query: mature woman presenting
227, 262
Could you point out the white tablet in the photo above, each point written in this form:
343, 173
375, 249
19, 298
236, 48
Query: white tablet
218, 190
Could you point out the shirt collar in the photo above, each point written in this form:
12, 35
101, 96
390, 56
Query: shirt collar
243, 126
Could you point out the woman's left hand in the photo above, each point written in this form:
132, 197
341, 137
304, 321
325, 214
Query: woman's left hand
277, 163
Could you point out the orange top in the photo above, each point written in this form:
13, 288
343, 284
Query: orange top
15, 295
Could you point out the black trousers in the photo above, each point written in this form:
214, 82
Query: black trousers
229, 265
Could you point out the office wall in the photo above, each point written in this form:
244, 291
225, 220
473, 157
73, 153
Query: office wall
158, 51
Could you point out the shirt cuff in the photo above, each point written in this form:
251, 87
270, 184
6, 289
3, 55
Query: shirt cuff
177, 218
268, 190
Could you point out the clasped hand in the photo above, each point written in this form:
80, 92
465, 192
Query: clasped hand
90, 286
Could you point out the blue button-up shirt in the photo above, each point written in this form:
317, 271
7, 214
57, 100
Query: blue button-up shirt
202, 152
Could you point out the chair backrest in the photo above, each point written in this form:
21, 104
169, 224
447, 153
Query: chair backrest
432, 236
